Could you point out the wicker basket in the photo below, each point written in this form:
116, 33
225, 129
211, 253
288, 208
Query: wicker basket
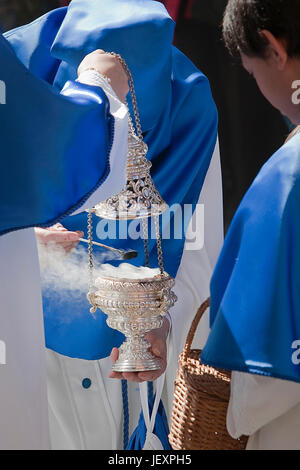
200, 402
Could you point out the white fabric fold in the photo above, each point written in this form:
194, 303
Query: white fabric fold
266, 409
152, 441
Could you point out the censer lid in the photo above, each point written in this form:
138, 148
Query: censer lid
127, 205
140, 198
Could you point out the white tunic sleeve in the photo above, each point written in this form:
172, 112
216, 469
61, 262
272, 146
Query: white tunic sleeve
116, 179
256, 401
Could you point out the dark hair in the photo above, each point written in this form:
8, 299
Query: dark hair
244, 19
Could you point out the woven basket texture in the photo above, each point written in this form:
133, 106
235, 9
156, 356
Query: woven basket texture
201, 400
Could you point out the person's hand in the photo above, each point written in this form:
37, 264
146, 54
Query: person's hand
158, 342
109, 67
59, 235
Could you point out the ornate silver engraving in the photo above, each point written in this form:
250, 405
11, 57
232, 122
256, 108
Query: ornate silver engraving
139, 198
135, 307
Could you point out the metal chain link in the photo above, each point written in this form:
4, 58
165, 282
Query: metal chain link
133, 96
140, 135
146, 242
159, 244
90, 250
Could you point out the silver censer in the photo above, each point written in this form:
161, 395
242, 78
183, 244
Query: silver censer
133, 306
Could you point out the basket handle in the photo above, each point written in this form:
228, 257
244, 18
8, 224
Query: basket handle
194, 325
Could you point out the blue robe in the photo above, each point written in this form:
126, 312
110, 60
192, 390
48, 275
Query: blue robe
48, 165
255, 289
178, 117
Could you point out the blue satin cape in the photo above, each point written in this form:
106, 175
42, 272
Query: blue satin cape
255, 290
50, 160
179, 123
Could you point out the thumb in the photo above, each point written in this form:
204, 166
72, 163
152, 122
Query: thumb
114, 355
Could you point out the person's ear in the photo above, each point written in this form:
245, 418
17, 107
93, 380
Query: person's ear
276, 49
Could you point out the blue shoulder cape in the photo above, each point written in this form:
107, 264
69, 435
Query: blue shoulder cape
255, 289
44, 173
179, 123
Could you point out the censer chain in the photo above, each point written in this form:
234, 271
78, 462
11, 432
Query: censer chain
159, 244
140, 136
133, 97
146, 242
90, 251
91, 293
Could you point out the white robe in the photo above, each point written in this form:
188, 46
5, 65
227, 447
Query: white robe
267, 410
92, 418
23, 396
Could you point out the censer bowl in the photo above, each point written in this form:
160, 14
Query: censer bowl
135, 307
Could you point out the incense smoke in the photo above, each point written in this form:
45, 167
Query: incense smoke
65, 278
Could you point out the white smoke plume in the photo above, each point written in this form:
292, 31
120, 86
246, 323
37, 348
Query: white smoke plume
67, 273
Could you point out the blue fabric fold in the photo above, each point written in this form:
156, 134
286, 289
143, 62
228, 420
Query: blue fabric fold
54, 149
255, 289
179, 122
